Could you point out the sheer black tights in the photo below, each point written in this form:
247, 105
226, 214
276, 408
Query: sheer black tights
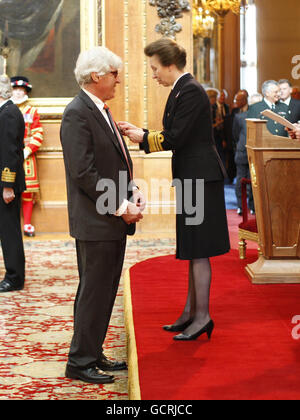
197, 302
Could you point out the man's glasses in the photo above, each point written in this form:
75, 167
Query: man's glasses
114, 73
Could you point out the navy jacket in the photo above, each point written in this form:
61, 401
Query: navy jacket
188, 132
12, 128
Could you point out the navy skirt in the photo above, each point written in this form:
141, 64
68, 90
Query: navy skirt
210, 236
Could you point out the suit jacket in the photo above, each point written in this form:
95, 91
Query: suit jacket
281, 109
294, 111
12, 129
188, 132
91, 154
239, 133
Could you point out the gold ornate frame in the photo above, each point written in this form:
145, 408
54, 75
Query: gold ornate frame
92, 33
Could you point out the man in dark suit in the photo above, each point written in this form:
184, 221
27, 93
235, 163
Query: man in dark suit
239, 134
293, 104
102, 209
271, 94
12, 184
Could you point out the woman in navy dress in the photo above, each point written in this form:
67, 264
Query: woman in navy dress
188, 132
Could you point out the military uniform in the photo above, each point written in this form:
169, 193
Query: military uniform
188, 132
279, 108
12, 176
33, 139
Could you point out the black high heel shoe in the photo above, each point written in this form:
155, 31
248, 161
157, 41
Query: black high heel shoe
179, 327
208, 329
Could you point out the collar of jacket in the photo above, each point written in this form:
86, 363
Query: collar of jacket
181, 82
5, 104
93, 107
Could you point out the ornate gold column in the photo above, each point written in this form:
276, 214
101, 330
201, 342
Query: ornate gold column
88, 24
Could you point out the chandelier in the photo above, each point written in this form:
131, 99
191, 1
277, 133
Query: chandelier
203, 22
222, 7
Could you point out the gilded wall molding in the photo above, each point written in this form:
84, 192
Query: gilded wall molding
126, 57
92, 33
169, 11
145, 64
88, 24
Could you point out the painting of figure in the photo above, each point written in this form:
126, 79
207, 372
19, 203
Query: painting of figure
44, 40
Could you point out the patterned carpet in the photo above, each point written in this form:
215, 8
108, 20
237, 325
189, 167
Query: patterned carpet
36, 325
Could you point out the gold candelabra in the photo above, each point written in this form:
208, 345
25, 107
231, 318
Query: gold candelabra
222, 7
203, 22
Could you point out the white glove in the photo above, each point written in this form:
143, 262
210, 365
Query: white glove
26, 152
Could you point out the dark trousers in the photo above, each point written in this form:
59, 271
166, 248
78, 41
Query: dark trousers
12, 241
100, 267
242, 171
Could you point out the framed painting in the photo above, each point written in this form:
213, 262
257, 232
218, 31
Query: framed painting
44, 39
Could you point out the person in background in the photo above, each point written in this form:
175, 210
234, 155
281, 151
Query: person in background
187, 131
286, 98
221, 115
295, 92
12, 184
32, 142
271, 96
239, 132
240, 104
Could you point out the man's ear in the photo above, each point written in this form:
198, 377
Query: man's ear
95, 77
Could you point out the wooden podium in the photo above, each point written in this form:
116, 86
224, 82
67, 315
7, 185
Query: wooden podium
275, 175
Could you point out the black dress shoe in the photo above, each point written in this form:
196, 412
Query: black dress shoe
6, 286
90, 375
208, 329
29, 234
109, 365
179, 327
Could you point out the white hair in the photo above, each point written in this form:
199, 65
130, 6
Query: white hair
99, 60
266, 86
5, 87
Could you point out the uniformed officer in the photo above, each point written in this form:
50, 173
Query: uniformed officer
271, 94
12, 184
292, 103
33, 139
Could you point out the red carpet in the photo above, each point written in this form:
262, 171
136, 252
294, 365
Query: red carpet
251, 355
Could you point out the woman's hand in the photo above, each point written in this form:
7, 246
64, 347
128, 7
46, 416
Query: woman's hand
124, 125
134, 133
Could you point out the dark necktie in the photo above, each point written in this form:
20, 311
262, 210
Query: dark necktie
118, 135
